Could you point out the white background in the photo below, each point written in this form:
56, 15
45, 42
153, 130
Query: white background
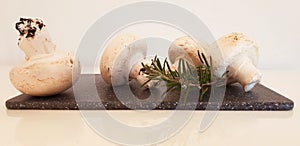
274, 25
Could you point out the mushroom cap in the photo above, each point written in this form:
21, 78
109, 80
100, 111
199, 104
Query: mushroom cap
186, 48
233, 47
119, 57
43, 75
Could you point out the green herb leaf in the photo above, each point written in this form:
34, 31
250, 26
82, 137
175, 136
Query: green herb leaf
184, 75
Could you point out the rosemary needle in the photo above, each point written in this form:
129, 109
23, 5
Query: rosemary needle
185, 75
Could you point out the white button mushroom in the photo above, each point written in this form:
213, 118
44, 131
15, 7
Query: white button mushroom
121, 60
238, 55
44, 72
186, 48
239, 58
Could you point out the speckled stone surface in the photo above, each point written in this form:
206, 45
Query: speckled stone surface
260, 98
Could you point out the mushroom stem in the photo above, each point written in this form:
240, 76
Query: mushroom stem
40, 44
34, 38
135, 73
244, 72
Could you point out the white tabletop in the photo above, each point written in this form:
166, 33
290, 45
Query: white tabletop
235, 128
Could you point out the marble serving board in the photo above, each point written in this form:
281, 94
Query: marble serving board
92, 93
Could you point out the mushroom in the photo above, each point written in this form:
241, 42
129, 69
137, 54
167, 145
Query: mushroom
121, 60
234, 53
239, 58
186, 48
44, 72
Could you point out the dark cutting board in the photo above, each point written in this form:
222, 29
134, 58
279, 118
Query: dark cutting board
260, 98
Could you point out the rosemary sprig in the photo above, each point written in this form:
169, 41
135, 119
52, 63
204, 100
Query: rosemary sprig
185, 76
